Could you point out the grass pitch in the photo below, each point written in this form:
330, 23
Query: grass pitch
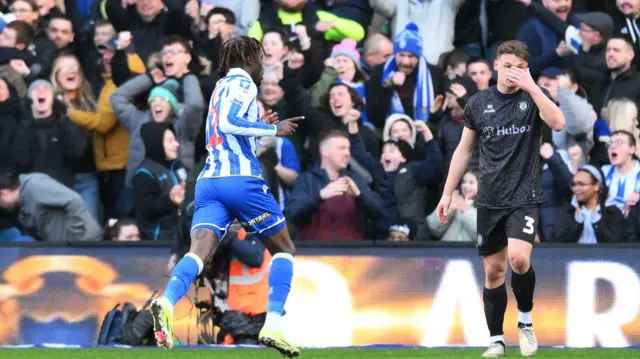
355, 353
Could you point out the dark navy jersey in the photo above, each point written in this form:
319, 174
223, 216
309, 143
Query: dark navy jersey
509, 129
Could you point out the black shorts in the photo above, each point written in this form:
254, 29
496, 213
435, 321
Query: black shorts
496, 225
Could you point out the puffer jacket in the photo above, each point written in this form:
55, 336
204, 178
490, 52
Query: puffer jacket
110, 138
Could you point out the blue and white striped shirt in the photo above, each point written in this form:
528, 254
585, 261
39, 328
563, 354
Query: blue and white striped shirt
233, 125
620, 188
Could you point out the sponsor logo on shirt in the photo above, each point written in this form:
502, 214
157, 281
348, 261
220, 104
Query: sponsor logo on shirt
489, 131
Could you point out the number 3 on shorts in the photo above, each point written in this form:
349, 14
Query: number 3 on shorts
528, 227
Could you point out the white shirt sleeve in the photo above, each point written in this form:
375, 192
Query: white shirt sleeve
236, 100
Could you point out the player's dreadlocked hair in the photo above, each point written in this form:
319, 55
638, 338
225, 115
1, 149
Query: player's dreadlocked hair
237, 51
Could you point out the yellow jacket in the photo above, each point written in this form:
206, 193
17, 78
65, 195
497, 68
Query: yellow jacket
110, 138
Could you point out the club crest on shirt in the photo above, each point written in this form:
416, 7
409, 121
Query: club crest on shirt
480, 240
487, 132
523, 106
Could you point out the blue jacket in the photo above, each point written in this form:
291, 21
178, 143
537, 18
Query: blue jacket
542, 43
555, 177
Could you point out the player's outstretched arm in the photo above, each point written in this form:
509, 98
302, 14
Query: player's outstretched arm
234, 105
288, 126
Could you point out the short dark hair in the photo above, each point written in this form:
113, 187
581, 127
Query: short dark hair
456, 57
358, 102
332, 134
9, 180
290, 40
229, 16
626, 40
573, 77
114, 231
632, 140
514, 47
32, 4
101, 22
238, 52
60, 17
477, 59
283, 35
25, 33
473, 171
176, 39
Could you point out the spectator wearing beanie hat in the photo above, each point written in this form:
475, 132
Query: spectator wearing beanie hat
401, 181
402, 230
163, 108
163, 101
406, 83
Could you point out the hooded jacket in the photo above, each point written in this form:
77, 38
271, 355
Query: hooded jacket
152, 184
391, 120
53, 212
417, 139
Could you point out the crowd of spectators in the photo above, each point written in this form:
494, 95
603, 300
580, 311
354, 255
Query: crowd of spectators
103, 106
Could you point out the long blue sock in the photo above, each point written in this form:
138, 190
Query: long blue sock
280, 277
182, 276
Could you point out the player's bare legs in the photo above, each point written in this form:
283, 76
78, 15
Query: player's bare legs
281, 243
495, 300
523, 282
204, 243
282, 250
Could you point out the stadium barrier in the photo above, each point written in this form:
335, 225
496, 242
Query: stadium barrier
344, 294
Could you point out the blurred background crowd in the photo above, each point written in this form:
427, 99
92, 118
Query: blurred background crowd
103, 106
